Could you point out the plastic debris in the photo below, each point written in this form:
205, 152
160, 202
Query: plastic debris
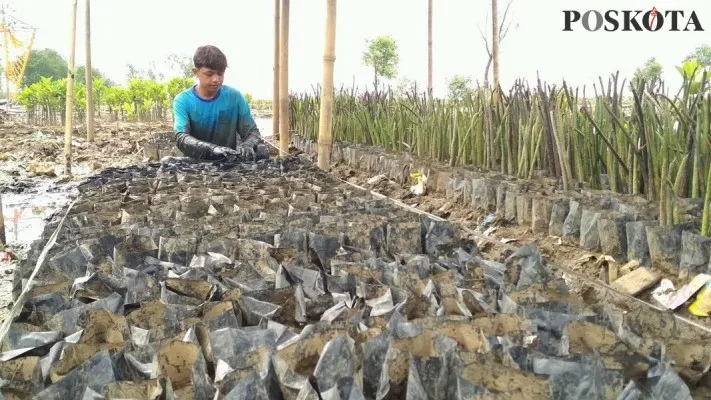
688, 290
701, 307
486, 222
664, 292
38, 135
420, 185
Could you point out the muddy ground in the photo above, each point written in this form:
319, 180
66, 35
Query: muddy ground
33, 183
568, 256
36, 154
268, 200
32, 179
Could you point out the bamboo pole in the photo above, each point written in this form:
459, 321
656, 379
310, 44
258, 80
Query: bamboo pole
275, 97
429, 49
3, 239
495, 40
7, 59
70, 94
325, 118
284, 136
89, 79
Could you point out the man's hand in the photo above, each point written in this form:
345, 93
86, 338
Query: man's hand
228, 154
246, 151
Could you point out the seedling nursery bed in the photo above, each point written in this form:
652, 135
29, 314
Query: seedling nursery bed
275, 280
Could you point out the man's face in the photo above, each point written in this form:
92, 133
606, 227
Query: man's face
209, 79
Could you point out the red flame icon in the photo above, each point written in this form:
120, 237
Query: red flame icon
654, 15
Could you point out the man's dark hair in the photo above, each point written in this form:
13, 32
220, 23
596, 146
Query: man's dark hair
210, 57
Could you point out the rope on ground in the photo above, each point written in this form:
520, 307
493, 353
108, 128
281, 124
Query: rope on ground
20, 302
572, 273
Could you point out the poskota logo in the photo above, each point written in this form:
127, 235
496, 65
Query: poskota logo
632, 20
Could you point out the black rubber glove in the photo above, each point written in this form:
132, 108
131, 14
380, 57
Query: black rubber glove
246, 151
193, 147
262, 152
226, 153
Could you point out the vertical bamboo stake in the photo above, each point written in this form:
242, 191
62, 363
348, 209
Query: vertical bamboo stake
284, 136
329, 59
3, 241
89, 79
69, 107
495, 41
275, 97
429, 49
7, 60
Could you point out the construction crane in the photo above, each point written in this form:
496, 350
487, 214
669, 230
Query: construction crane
16, 61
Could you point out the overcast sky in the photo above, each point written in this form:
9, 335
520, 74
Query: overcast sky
138, 31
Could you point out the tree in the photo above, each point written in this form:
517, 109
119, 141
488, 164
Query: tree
133, 72
177, 85
405, 86
459, 87
99, 88
702, 54
503, 30
46, 63
495, 39
650, 72
693, 74
429, 49
153, 73
80, 75
382, 56
181, 65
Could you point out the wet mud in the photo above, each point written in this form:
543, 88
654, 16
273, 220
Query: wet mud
274, 280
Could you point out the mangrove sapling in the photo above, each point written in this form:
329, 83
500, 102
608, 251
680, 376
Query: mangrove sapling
626, 139
705, 222
707, 192
677, 192
539, 139
697, 150
648, 175
565, 168
610, 146
663, 195
552, 161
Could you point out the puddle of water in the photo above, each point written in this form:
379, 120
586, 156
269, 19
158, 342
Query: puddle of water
25, 212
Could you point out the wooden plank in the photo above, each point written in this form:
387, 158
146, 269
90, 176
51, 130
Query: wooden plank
637, 281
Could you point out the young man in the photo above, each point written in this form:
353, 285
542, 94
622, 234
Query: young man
213, 121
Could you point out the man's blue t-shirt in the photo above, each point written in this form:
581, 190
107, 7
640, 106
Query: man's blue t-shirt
224, 120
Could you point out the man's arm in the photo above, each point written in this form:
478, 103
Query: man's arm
188, 144
246, 127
